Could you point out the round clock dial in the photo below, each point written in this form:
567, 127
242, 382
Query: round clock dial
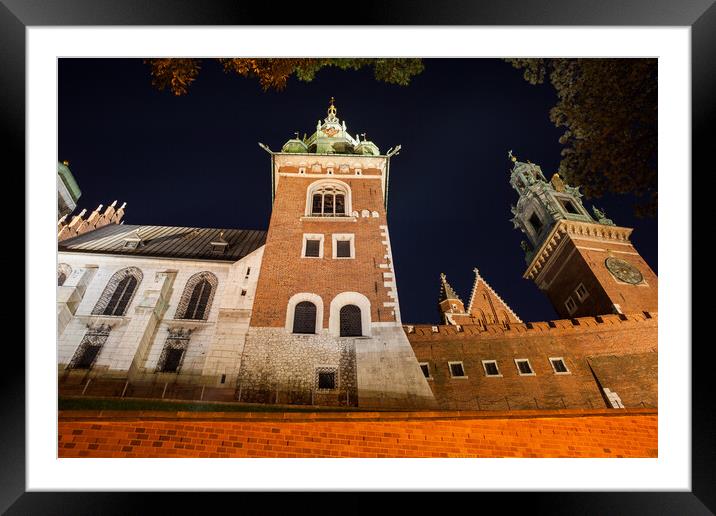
624, 271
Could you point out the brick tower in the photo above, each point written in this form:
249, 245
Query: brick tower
586, 265
326, 318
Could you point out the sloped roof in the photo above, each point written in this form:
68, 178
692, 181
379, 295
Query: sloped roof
166, 242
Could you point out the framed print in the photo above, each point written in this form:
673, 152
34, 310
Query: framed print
253, 355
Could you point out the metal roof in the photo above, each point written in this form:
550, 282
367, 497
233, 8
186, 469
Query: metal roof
167, 242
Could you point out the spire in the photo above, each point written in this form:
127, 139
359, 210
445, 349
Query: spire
446, 291
331, 111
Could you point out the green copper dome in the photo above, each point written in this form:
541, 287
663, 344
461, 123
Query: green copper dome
331, 137
294, 145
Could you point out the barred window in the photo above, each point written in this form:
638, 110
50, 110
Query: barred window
89, 348
198, 294
328, 201
121, 296
326, 379
350, 320
304, 318
172, 361
198, 301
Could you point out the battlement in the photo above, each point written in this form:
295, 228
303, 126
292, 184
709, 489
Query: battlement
598, 323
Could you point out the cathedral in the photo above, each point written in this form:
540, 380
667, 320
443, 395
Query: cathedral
307, 313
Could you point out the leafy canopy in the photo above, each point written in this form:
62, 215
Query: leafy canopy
273, 73
608, 108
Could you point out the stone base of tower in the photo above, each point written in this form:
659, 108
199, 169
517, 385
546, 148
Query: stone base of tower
389, 376
380, 371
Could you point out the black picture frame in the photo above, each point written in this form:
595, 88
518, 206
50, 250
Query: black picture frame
17, 15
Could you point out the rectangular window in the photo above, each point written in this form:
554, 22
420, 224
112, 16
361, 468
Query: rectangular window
326, 379
581, 292
558, 365
536, 223
131, 244
569, 206
425, 367
456, 370
243, 291
491, 368
344, 249
343, 246
312, 246
524, 367
570, 305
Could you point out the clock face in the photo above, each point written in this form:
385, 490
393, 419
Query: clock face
624, 271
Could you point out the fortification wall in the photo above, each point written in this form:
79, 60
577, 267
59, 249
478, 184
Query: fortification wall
616, 353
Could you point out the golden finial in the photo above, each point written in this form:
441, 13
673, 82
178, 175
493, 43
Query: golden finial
66, 163
332, 108
512, 156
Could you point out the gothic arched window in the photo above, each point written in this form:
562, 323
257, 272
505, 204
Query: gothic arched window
61, 278
118, 293
350, 320
328, 200
304, 318
197, 297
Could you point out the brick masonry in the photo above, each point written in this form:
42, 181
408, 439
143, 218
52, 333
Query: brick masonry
612, 352
559, 433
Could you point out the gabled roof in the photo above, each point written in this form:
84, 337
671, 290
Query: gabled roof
166, 242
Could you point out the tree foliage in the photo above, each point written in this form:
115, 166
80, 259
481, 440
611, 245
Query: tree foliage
176, 75
608, 108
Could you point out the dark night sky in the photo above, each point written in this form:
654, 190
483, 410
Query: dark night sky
194, 160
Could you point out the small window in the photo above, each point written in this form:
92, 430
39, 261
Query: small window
425, 367
581, 292
569, 206
61, 278
524, 367
312, 246
326, 379
248, 271
536, 223
351, 324
131, 244
313, 249
570, 305
491, 368
343, 246
87, 358
558, 365
172, 360
456, 370
304, 318
243, 291
344, 249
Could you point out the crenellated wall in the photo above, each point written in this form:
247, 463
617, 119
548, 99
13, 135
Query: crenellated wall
605, 356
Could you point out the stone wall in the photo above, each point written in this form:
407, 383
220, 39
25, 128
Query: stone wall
137, 339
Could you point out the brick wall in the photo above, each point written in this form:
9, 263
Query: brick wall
614, 352
560, 433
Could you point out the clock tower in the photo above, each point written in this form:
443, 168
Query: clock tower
585, 263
